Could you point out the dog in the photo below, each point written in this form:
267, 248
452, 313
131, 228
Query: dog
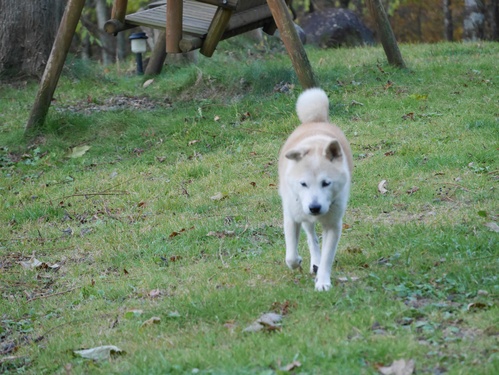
315, 169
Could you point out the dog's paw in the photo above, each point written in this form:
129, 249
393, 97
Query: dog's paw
322, 286
294, 263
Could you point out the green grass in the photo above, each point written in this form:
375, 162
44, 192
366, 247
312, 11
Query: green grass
135, 223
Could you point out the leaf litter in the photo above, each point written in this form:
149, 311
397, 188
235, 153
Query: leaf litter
99, 353
268, 322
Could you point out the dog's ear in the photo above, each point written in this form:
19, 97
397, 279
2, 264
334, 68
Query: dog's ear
333, 150
296, 154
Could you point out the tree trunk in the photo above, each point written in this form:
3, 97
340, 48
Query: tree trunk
385, 33
474, 20
495, 20
448, 25
27, 31
107, 40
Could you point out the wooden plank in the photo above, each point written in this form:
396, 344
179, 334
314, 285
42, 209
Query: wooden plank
292, 42
196, 18
174, 21
216, 30
249, 16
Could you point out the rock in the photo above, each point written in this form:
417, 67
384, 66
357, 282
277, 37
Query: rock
336, 27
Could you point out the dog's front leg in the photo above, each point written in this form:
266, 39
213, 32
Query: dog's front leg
330, 238
291, 235
313, 245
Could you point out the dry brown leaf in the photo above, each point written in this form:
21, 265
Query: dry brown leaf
398, 367
148, 83
222, 234
99, 353
381, 187
476, 306
155, 293
218, 196
344, 279
492, 226
150, 322
34, 263
290, 367
268, 322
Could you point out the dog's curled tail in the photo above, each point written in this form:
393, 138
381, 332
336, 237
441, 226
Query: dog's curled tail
313, 106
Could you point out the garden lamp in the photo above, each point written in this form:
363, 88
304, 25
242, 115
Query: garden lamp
139, 45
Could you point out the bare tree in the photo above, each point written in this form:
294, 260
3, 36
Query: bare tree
448, 25
107, 41
474, 20
27, 31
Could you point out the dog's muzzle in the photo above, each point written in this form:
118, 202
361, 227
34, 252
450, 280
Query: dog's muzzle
315, 209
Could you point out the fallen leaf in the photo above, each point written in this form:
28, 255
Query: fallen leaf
354, 102
290, 367
344, 279
150, 322
155, 293
267, 322
148, 83
216, 118
381, 187
77, 152
476, 306
225, 233
193, 142
99, 353
409, 115
218, 196
492, 226
399, 367
34, 263
412, 190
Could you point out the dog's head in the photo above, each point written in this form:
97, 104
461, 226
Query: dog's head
317, 173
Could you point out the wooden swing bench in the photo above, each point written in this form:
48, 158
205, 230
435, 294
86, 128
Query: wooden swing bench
204, 22
188, 25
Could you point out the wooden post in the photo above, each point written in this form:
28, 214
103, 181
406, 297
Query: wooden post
158, 56
386, 33
292, 42
54, 65
117, 21
174, 18
215, 31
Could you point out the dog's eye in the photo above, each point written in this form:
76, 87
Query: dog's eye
304, 184
326, 183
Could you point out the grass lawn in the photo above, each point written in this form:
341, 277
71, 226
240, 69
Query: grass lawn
153, 213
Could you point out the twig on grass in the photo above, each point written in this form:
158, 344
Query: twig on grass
459, 186
11, 358
95, 194
40, 296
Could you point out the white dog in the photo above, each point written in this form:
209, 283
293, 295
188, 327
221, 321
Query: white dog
315, 167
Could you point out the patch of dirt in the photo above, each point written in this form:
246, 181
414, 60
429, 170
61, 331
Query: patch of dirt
115, 103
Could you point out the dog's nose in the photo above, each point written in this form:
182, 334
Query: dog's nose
315, 208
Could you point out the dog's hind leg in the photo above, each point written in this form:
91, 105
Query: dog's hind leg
313, 245
292, 234
330, 238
